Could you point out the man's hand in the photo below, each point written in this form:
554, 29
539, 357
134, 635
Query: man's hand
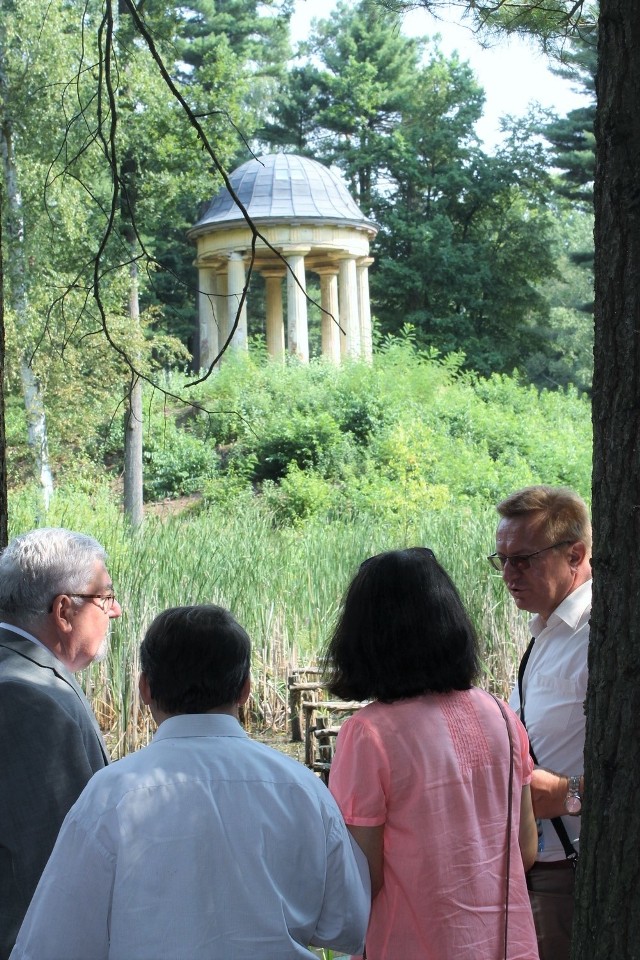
549, 792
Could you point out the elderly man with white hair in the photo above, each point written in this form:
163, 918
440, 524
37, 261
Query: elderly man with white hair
56, 605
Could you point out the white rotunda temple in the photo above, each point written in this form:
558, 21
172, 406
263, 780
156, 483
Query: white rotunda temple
307, 221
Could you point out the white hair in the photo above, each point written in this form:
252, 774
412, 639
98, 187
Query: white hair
37, 566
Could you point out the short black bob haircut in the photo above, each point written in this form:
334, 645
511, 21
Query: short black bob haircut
403, 631
195, 659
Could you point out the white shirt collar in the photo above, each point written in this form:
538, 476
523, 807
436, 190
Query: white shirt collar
199, 725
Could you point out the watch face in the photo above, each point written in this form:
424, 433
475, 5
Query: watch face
573, 804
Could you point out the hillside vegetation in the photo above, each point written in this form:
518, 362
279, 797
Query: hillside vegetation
410, 433
295, 475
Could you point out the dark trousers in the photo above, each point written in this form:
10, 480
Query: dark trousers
551, 889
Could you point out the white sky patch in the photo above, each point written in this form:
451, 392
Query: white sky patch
513, 72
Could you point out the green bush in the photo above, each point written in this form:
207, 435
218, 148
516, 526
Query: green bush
409, 432
291, 438
176, 463
300, 495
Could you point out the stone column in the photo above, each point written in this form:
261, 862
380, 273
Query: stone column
222, 305
236, 281
207, 327
275, 317
329, 324
364, 305
349, 317
297, 323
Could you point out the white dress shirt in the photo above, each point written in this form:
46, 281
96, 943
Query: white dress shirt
554, 688
205, 845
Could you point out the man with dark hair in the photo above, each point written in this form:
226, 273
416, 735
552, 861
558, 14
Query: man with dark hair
205, 844
543, 549
56, 605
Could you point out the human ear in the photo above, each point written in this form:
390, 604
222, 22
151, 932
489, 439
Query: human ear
62, 610
144, 689
577, 553
244, 693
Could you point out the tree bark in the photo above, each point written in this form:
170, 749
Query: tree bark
607, 923
16, 272
133, 499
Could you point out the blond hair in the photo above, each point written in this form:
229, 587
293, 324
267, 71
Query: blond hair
565, 514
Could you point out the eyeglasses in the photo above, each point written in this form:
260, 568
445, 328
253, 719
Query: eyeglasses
105, 600
498, 561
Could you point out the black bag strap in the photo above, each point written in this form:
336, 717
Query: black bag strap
509, 826
570, 851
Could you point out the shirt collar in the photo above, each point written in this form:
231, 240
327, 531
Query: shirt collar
199, 725
570, 611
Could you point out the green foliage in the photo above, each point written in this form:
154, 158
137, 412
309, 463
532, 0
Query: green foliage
465, 238
300, 495
408, 450
175, 463
291, 438
549, 22
410, 432
567, 357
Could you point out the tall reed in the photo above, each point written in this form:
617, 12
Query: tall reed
283, 584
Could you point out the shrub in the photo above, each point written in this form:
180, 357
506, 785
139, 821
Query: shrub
176, 463
300, 495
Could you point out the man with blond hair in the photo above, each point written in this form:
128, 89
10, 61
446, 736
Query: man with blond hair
543, 550
56, 605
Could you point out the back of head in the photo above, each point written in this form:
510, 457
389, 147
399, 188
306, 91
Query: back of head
195, 659
37, 566
403, 631
565, 514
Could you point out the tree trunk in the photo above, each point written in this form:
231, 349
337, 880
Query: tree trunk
133, 501
607, 924
31, 388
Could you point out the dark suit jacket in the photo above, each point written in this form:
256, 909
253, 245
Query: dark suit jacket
50, 745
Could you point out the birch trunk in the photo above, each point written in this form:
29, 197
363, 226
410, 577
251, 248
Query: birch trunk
133, 502
18, 302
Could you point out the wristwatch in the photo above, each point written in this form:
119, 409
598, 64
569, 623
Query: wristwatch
573, 799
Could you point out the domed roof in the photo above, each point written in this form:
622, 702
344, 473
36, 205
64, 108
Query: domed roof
283, 186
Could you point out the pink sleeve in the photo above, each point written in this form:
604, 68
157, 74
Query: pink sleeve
359, 778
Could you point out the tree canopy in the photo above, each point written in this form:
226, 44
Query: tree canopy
466, 237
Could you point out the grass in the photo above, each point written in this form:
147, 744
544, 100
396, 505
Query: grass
283, 584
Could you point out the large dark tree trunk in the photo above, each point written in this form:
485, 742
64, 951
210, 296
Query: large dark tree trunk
607, 923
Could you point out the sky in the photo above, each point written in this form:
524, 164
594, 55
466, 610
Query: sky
513, 73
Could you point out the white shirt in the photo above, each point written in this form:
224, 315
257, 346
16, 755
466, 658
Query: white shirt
554, 687
205, 845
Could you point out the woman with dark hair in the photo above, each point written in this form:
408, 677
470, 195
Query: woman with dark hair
432, 776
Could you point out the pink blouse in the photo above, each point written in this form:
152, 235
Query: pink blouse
434, 770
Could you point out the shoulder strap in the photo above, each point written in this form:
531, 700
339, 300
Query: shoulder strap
509, 823
521, 670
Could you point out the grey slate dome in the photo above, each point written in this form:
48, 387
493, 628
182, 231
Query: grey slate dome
307, 224
283, 186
